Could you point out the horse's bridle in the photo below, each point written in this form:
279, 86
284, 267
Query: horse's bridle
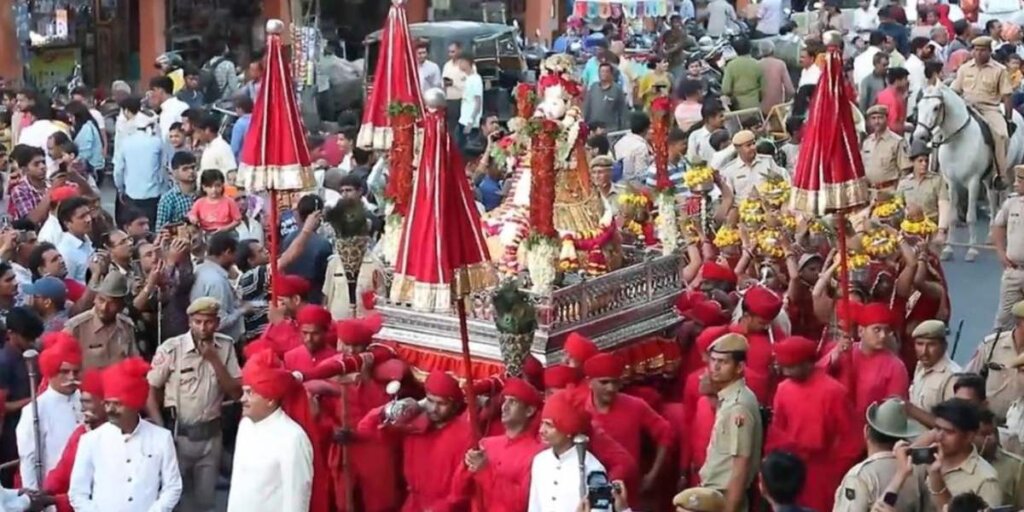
941, 118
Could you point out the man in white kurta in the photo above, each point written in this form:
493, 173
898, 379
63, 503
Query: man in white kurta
128, 464
60, 411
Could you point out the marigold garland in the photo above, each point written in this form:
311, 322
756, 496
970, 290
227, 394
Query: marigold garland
401, 154
751, 211
542, 173
888, 208
774, 190
768, 243
879, 243
699, 178
727, 237
857, 260
923, 228
526, 99
659, 142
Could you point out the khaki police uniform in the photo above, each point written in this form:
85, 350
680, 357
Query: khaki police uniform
1001, 386
885, 158
102, 344
974, 474
1011, 286
191, 388
935, 384
744, 177
737, 433
983, 86
865, 483
1010, 472
925, 192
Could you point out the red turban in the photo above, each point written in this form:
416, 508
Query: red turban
708, 313
712, 271
875, 313
604, 366
708, 336
51, 338
443, 385
580, 347
841, 312
266, 375
315, 315
522, 391
126, 382
92, 383
63, 193
358, 331
686, 300
762, 302
795, 350
560, 376
565, 414
289, 285
65, 350
533, 371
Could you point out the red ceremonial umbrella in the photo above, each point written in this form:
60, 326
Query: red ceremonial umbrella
829, 176
442, 255
397, 80
274, 156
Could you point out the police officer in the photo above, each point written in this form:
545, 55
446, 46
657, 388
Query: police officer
925, 190
1008, 236
105, 334
748, 169
935, 374
986, 86
192, 374
865, 483
995, 359
738, 433
884, 153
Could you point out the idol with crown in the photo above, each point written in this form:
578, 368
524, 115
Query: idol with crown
553, 219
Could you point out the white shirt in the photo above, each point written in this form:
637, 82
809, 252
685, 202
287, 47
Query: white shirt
865, 20
915, 66
59, 415
430, 76
36, 134
124, 127
51, 231
170, 112
115, 472
472, 106
218, 155
769, 14
698, 146
809, 76
273, 466
1000, 6
864, 64
250, 231
555, 481
11, 500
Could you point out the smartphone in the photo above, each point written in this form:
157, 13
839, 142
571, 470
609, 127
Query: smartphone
923, 455
890, 498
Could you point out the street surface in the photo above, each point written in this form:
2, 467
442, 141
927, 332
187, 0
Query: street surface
974, 292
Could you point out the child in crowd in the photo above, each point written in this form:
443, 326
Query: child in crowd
176, 137
214, 211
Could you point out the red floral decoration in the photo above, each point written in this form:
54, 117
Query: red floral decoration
543, 133
526, 100
400, 156
660, 121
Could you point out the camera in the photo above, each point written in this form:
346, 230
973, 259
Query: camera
599, 491
923, 455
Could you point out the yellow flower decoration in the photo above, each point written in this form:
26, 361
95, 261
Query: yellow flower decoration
634, 228
768, 243
727, 237
698, 177
858, 260
879, 243
751, 211
789, 221
924, 227
774, 191
888, 208
634, 199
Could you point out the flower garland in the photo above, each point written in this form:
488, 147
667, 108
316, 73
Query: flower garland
505, 149
886, 209
541, 256
879, 243
542, 133
526, 99
857, 260
660, 121
788, 221
401, 154
727, 237
751, 211
699, 178
923, 227
768, 243
774, 190
666, 222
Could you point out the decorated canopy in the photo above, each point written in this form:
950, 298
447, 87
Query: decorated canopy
275, 156
442, 254
396, 82
829, 175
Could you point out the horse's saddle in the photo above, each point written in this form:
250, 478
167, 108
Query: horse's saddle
986, 132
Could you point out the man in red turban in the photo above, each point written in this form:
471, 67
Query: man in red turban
58, 407
699, 314
315, 329
626, 418
58, 480
812, 418
698, 410
283, 332
760, 307
559, 377
874, 371
578, 349
499, 470
110, 463
434, 444
372, 467
275, 466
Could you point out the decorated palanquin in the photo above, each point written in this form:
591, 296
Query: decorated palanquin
585, 229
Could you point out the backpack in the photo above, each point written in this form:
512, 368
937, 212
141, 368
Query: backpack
208, 80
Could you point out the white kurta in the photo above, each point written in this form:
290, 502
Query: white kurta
555, 481
273, 467
12, 500
115, 472
59, 416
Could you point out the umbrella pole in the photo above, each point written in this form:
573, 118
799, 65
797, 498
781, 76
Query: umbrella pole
275, 232
844, 285
467, 362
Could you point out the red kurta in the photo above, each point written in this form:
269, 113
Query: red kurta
300, 359
812, 419
696, 439
627, 419
876, 376
801, 315
503, 483
431, 458
58, 480
282, 336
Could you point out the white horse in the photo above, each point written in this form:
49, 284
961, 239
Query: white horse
944, 119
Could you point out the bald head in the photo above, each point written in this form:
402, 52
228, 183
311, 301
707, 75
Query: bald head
333, 178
